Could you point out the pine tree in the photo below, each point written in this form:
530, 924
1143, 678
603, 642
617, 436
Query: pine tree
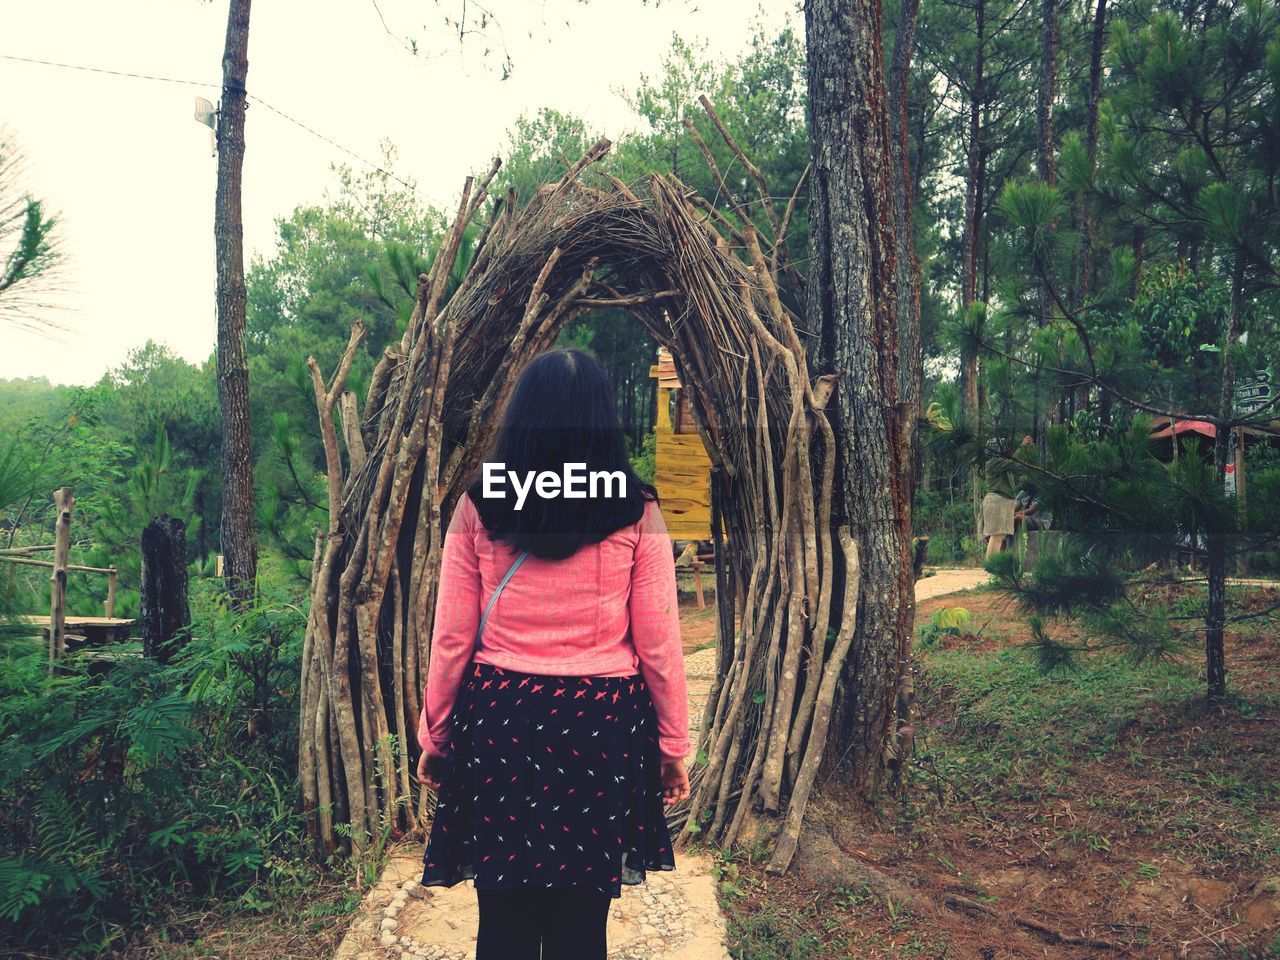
29, 246
1187, 149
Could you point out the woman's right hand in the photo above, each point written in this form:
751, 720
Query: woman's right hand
675, 783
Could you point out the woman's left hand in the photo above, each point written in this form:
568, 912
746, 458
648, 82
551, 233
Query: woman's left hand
430, 770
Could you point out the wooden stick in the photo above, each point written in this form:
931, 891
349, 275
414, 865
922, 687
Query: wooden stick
52, 564
377, 393
307, 740
19, 551
64, 502
790, 837
332, 649
1057, 936
766, 200
349, 409
638, 298
715, 172
780, 241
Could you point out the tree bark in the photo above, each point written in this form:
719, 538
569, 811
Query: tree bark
1216, 608
165, 614
974, 199
1045, 164
852, 291
239, 547
64, 503
1047, 89
907, 265
1084, 265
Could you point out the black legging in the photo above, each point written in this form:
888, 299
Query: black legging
541, 924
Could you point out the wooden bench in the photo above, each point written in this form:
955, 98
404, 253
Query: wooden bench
88, 631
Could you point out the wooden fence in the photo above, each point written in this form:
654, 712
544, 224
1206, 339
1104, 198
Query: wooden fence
64, 501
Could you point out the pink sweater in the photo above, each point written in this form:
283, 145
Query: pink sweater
607, 611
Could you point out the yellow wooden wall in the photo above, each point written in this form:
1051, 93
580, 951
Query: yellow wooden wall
682, 474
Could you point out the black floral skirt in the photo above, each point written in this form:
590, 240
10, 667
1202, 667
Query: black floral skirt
549, 782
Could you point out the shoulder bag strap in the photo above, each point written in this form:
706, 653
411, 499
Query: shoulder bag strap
497, 592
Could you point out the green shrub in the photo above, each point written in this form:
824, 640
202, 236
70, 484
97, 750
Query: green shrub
642, 461
949, 524
947, 620
140, 786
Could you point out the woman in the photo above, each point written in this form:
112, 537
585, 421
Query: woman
555, 725
996, 519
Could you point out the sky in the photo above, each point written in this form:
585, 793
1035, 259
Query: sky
132, 176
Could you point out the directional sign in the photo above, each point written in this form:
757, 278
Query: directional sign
1255, 401
1254, 393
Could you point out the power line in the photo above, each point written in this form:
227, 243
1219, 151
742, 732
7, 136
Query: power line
113, 73
199, 83
333, 143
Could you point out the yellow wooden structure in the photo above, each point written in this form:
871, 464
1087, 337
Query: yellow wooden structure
682, 468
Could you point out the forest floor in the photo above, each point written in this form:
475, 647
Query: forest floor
1105, 812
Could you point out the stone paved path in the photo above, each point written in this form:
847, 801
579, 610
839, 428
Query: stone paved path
674, 916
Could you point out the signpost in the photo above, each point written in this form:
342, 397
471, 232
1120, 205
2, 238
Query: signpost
1250, 396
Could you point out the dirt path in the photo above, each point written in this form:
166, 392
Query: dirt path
674, 916
950, 580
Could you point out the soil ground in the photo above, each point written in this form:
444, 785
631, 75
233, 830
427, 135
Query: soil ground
1102, 812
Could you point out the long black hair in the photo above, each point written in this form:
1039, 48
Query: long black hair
561, 411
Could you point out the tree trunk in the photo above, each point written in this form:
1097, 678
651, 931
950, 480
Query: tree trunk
911, 358
1084, 265
165, 615
1050, 413
239, 547
1215, 613
1047, 90
974, 199
852, 296
974, 187
906, 263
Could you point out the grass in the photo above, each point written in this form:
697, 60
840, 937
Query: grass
1017, 733
285, 927
774, 934
1011, 718
837, 923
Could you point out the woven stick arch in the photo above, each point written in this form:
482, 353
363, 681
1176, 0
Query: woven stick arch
706, 285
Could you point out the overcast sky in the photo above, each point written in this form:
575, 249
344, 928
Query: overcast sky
132, 175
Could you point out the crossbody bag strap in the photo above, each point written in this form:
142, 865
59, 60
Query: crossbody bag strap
497, 592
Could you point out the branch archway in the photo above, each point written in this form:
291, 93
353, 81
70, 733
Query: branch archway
705, 283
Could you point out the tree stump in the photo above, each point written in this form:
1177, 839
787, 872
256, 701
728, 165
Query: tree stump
920, 555
165, 615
